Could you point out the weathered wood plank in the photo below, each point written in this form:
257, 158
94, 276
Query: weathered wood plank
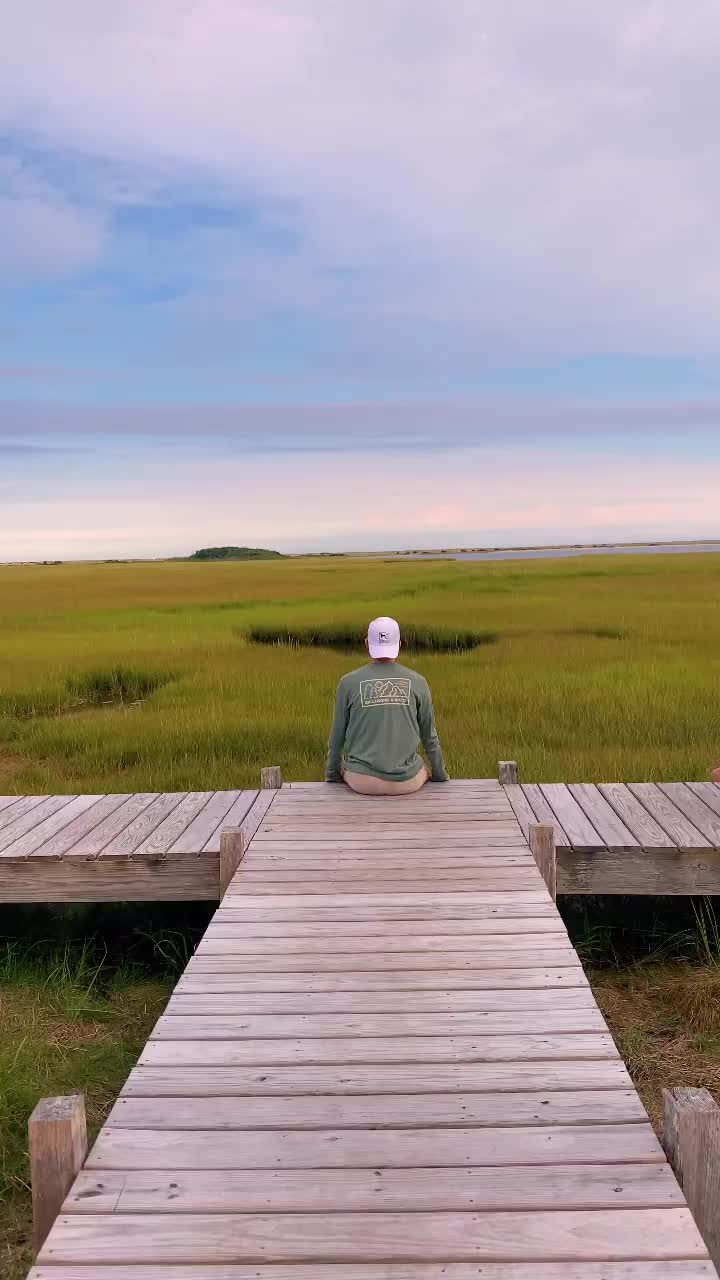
520, 806
31, 817
695, 810
482, 927
543, 812
708, 792
382, 1190
387, 1078
570, 817
90, 844
58, 845
301, 1026
226, 962
198, 999
635, 817
365, 1049
611, 829
677, 1269
230, 938
159, 841
570, 975
207, 822
128, 840
179, 879
7, 801
393, 1148
306, 910
19, 806
379, 1111
235, 817
672, 871
26, 844
682, 832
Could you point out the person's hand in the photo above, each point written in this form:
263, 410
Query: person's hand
715, 775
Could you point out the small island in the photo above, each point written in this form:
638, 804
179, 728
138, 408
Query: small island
235, 553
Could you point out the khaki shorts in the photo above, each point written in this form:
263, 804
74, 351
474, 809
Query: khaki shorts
368, 785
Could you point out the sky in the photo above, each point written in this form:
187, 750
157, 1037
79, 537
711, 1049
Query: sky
319, 275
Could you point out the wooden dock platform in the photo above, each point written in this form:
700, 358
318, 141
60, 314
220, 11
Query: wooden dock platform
384, 1062
611, 838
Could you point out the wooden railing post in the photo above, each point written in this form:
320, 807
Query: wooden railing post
507, 771
691, 1138
57, 1145
541, 838
271, 778
232, 850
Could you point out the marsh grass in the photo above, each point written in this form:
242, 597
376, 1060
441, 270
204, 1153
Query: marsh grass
600, 670
71, 1021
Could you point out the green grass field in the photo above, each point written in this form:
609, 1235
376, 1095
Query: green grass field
595, 668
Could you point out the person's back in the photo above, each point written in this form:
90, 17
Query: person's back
382, 712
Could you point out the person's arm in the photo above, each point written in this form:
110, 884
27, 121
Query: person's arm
429, 737
333, 769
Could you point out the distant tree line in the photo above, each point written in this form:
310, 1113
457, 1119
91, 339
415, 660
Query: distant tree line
235, 553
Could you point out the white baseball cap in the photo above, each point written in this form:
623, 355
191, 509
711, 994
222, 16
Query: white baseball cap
384, 638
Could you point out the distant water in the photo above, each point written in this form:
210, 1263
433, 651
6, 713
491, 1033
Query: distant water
563, 553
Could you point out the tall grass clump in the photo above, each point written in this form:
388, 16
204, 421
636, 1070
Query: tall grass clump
116, 684
349, 637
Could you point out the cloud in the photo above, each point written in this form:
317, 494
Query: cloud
502, 177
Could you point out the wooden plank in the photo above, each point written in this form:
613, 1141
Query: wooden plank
198, 1000
296, 1026
355, 910
571, 975
543, 812
31, 817
94, 841
677, 1269
7, 801
474, 878
26, 844
612, 831
708, 792
695, 810
133, 836
57, 1146
235, 817
159, 841
207, 822
346, 929
379, 1111
64, 841
367, 861
564, 1235
468, 902
672, 871
382, 1190
365, 1049
574, 821
230, 938
393, 1148
520, 806
223, 961
179, 879
23, 804
387, 1078
682, 832
635, 817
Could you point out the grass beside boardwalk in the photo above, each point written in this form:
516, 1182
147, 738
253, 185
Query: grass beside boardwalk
142, 677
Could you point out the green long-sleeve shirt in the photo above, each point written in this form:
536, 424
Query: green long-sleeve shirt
382, 711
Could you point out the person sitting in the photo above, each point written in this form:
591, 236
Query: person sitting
382, 712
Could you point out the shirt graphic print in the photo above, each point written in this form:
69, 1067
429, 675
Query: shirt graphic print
385, 693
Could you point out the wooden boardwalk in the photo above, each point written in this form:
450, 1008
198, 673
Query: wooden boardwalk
611, 838
384, 1062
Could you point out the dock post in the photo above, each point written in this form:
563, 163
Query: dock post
232, 850
541, 838
271, 778
57, 1145
507, 771
691, 1138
